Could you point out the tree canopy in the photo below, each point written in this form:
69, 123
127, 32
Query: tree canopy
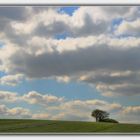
99, 115
102, 116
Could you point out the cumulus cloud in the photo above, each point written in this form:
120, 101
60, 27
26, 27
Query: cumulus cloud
72, 117
48, 22
41, 116
131, 110
95, 49
87, 57
81, 109
11, 80
17, 112
129, 28
14, 13
41, 55
88, 105
3, 109
8, 96
34, 97
129, 114
57, 108
117, 83
96, 56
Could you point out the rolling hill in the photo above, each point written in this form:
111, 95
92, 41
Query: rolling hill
49, 126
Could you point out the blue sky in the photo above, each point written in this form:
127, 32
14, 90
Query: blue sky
69, 9
69, 57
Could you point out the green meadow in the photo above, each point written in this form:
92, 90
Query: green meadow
50, 126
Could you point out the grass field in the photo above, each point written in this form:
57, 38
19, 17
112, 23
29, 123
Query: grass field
47, 126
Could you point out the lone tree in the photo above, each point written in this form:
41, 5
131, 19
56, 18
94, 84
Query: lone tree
100, 115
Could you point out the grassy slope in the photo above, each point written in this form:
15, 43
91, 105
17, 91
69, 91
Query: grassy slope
64, 126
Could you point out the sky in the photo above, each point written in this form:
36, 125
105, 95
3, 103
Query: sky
61, 63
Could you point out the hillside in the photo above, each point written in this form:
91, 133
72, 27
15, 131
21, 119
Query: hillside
47, 126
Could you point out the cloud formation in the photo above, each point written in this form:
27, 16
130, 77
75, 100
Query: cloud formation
59, 108
130, 28
17, 112
91, 45
98, 46
8, 96
11, 80
34, 97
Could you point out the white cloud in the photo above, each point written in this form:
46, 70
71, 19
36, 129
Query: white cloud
89, 105
11, 80
129, 28
114, 83
58, 109
41, 116
17, 112
3, 109
71, 116
131, 110
8, 96
34, 97
64, 79
48, 22
97, 52
129, 114
94, 58
55, 107
81, 109
90, 53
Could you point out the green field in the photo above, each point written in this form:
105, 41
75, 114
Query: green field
47, 126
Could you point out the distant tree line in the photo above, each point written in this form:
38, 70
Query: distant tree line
102, 116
